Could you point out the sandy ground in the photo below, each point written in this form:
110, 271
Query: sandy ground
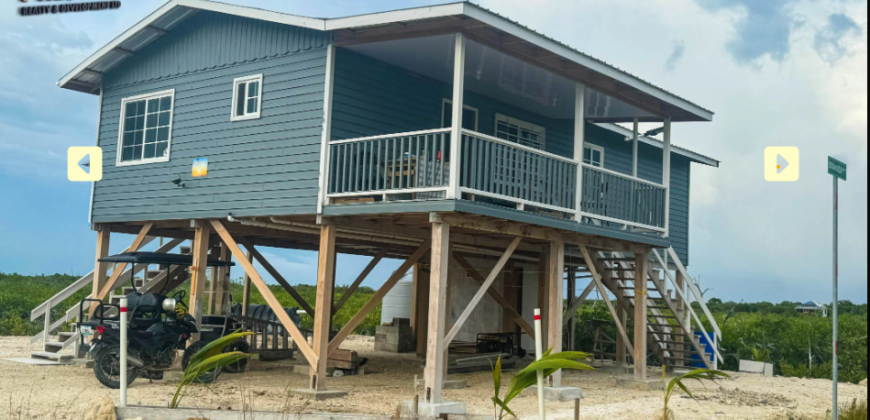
63, 392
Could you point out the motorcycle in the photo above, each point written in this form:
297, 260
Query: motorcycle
154, 333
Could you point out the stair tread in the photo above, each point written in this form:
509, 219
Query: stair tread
50, 355
54, 343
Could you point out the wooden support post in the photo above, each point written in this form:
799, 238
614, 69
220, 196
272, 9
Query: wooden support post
213, 277
246, 288
556, 272
572, 296
323, 305
197, 275
544, 292
640, 317
509, 291
421, 309
435, 345
678, 338
223, 285
101, 269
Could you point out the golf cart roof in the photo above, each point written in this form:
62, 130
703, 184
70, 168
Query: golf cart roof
160, 258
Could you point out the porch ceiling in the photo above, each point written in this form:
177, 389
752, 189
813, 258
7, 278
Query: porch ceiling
494, 74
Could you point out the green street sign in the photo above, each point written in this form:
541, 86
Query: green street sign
836, 168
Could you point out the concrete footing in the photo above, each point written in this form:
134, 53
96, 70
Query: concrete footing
647, 385
433, 409
317, 395
556, 394
447, 384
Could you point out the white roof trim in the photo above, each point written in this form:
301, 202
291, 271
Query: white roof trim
405, 15
660, 145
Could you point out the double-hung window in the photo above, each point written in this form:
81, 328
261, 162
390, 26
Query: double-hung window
593, 155
146, 128
519, 131
247, 97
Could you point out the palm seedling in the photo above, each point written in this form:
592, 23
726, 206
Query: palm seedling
549, 363
698, 375
207, 363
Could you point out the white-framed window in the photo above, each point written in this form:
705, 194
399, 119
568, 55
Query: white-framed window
146, 128
469, 115
519, 131
247, 97
593, 155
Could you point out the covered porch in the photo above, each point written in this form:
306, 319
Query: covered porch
449, 117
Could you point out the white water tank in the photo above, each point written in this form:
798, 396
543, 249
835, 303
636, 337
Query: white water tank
398, 302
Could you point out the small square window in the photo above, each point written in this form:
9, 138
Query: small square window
247, 98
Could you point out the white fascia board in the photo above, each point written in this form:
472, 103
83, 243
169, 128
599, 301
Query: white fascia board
405, 15
658, 144
528, 35
305, 22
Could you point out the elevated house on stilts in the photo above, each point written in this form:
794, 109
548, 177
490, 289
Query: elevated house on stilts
483, 154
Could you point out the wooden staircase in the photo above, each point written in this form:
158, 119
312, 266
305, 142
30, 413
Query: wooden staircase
671, 332
54, 345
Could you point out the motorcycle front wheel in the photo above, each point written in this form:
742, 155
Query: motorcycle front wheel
107, 367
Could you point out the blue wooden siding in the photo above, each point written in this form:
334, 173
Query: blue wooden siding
266, 166
374, 98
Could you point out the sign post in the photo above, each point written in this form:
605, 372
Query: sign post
838, 170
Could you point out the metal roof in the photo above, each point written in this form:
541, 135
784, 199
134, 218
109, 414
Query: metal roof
86, 76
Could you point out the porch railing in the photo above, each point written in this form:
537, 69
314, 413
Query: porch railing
615, 197
501, 169
412, 163
416, 166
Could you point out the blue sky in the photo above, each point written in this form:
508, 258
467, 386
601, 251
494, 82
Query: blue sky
776, 72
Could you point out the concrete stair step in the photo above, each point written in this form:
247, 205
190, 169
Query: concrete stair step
53, 346
51, 356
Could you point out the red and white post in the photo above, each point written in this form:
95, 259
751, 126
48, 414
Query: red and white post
123, 325
539, 352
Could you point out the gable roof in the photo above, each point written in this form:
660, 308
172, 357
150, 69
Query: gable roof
477, 21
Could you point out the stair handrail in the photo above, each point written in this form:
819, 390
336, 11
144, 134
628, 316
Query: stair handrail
695, 291
74, 287
687, 304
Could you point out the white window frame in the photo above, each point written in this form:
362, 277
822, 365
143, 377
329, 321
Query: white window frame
446, 101
593, 147
247, 79
521, 124
120, 146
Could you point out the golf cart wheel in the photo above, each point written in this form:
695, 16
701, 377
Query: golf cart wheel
206, 377
242, 365
107, 367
